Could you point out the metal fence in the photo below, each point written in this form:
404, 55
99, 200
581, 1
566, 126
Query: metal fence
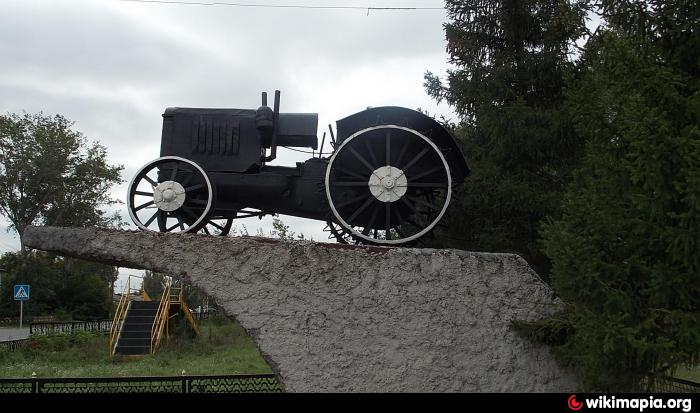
13, 345
70, 327
14, 321
250, 383
9, 321
674, 385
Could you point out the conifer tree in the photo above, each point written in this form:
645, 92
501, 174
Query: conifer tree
513, 59
626, 252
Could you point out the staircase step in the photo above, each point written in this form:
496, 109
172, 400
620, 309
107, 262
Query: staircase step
138, 318
143, 310
137, 322
145, 304
137, 327
136, 334
126, 350
143, 323
134, 342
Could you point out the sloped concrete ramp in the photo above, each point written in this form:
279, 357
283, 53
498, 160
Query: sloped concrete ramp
328, 317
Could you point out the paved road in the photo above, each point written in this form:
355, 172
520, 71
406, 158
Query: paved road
7, 334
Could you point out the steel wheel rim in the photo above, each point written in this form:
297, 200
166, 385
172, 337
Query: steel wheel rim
143, 172
362, 236
224, 229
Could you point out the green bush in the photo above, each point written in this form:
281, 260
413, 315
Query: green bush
49, 343
82, 337
4, 354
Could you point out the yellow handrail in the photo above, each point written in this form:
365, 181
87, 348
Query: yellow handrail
161, 318
119, 316
188, 314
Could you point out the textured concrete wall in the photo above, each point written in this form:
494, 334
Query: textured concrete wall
331, 318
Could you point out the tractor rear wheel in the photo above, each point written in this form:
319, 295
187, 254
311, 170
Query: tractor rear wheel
388, 185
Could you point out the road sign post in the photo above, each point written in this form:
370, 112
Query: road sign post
21, 294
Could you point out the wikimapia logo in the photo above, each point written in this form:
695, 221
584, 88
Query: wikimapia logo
640, 404
573, 403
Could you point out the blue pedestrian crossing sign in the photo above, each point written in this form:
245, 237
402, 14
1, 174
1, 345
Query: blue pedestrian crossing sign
21, 292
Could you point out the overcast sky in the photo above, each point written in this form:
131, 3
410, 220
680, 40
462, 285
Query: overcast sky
113, 66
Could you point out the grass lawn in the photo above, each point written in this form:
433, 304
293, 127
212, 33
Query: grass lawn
222, 348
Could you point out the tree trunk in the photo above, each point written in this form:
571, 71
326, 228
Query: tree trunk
22, 258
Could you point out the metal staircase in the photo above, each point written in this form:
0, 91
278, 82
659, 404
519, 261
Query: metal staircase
135, 336
140, 326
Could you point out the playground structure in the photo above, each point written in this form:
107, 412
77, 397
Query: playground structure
140, 326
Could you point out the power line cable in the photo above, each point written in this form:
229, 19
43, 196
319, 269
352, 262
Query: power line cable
284, 6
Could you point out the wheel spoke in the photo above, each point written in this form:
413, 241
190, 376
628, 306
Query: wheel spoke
150, 181
216, 225
425, 173
387, 224
372, 218
199, 201
388, 148
143, 206
190, 213
353, 200
397, 214
409, 205
399, 221
143, 193
425, 185
180, 222
350, 183
174, 173
361, 159
360, 209
415, 159
162, 221
154, 216
206, 231
402, 153
194, 187
188, 179
351, 173
372, 156
173, 227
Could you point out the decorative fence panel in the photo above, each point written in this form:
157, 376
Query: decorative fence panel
673, 385
13, 345
69, 327
14, 321
250, 383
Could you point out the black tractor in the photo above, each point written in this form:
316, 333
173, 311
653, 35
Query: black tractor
388, 180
